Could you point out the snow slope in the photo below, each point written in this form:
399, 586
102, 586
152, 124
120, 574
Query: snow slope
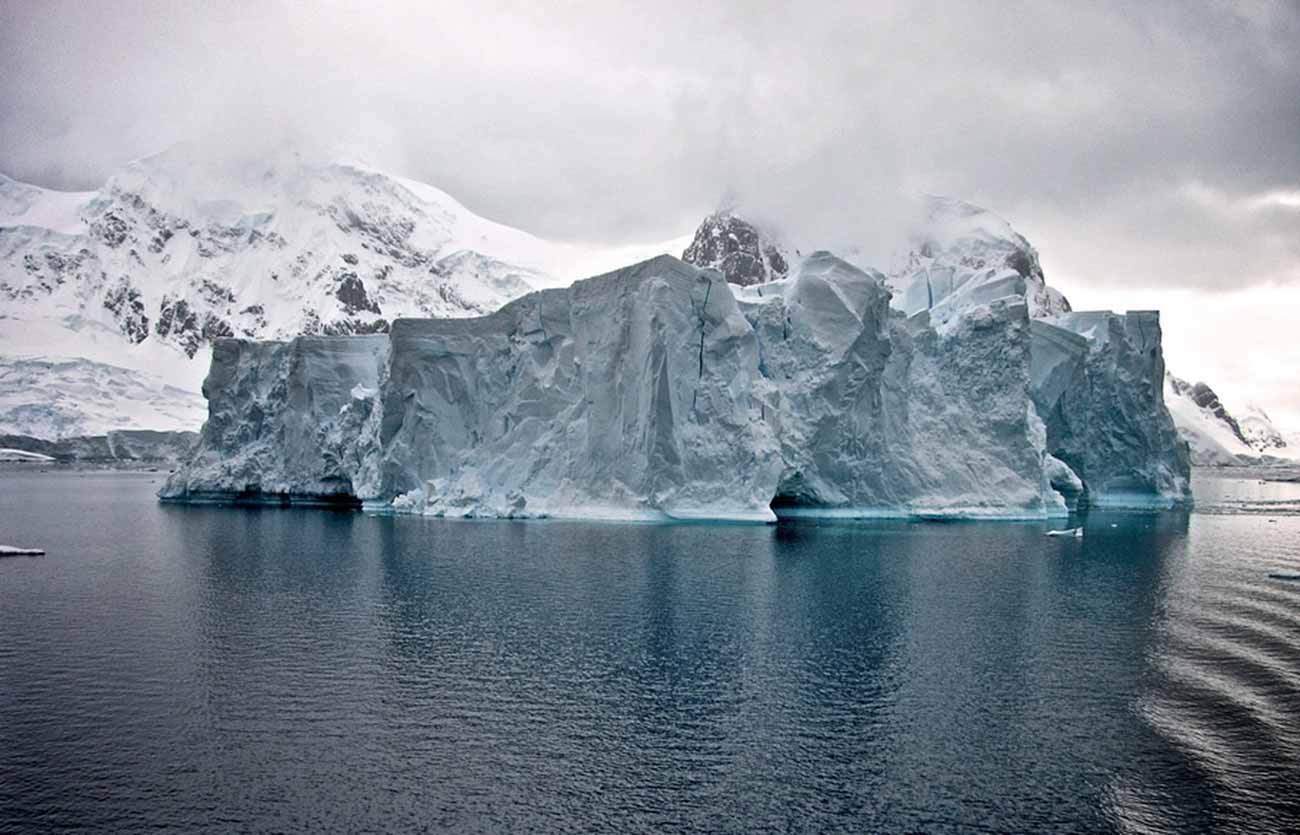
1219, 436
56, 397
1263, 435
1214, 437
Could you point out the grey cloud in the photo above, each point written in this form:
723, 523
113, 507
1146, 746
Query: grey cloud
1084, 121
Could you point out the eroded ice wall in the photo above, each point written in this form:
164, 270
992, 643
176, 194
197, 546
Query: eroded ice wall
654, 392
882, 414
284, 420
1099, 386
628, 395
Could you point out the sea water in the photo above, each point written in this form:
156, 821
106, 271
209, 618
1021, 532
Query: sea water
194, 669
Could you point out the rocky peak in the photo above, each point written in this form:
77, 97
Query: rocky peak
737, 249
1205, 397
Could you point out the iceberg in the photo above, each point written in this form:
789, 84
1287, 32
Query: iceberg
661, 391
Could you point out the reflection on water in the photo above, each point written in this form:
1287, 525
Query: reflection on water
305, 670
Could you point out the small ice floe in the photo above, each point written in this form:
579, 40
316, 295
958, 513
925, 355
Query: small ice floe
11, 551
1067, 532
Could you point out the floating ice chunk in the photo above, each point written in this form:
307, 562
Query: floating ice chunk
11, 551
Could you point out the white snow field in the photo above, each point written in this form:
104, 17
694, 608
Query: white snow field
59, 397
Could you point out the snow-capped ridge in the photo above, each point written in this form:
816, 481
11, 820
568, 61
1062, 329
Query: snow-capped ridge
1219, 437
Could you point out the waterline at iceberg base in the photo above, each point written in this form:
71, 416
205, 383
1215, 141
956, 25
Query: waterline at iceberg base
660, 391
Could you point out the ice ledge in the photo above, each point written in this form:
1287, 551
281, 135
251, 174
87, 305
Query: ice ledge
581, 513
951, 514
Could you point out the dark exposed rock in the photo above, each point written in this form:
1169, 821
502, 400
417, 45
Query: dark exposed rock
160, 240
112, 228
216, 294
127, 306
175, 317
351, 327
1021, 262
352, 292
179, 322
214, 327
310, 323
737, 249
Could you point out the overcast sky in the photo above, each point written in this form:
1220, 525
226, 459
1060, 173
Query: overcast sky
1151, 151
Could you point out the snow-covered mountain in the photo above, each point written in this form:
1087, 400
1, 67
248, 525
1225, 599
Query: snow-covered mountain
1216, 436
1262, 434
60, 397
1213, 435
177, 250
960, 254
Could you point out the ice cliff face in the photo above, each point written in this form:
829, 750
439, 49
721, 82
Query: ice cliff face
882, 414
284, 420
629, 395
654, 392
1098, 381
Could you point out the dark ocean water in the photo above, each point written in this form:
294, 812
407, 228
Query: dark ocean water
227, 670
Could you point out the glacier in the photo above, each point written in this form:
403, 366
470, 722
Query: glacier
661, 391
